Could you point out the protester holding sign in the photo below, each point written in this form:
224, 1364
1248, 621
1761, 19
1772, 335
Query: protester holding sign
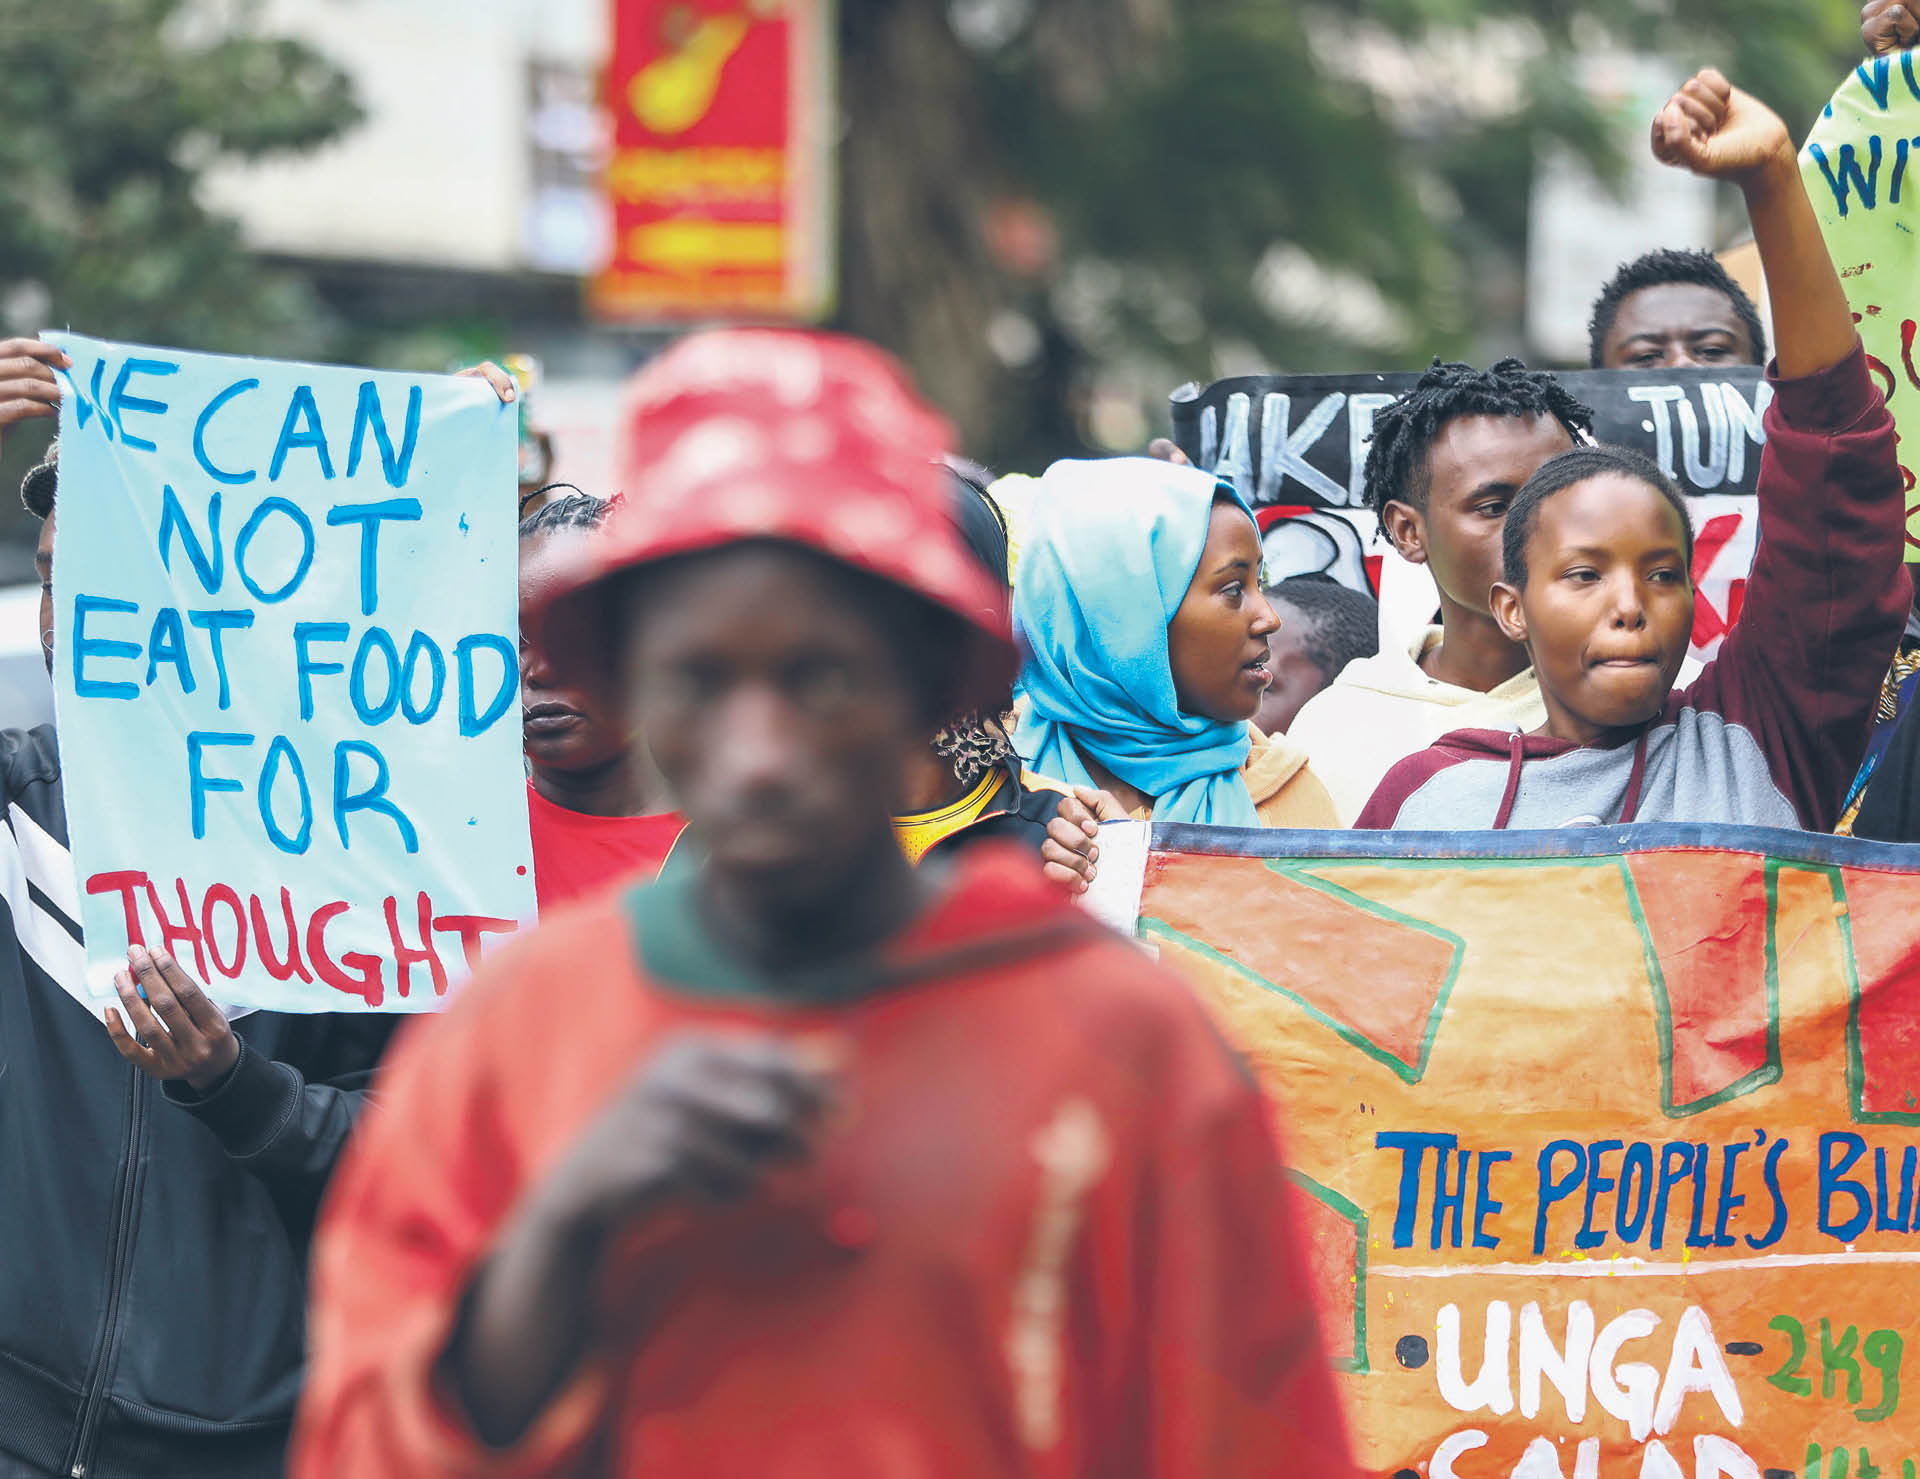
1597, 561
937, 1173
158, 1209
1446, 459
1139, 594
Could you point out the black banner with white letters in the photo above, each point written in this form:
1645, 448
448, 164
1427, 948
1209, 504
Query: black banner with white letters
1302, 439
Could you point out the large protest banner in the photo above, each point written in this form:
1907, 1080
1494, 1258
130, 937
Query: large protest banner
720, 182
286, 674
1855, 167
1609, 1137
1296, 445
1302, 439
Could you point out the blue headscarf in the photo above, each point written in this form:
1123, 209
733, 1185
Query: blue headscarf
1105, 561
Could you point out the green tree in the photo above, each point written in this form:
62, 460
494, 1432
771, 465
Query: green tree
1315, 184
113, 111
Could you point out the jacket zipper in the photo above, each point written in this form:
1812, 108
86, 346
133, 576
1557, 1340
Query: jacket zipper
119, 1257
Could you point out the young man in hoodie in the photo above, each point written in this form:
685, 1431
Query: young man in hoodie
820, 1164
158, 1184
1597, 587
1446, 459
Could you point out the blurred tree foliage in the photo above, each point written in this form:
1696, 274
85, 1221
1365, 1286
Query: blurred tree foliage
114, 109
1036, 187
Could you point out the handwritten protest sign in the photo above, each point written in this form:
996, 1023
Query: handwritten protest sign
1855, 168
1296, 445
286, 674
1303, 439
1610, 1138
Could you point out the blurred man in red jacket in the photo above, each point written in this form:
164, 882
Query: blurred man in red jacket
805, 1161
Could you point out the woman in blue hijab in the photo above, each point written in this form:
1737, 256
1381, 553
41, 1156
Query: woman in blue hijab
1138, 595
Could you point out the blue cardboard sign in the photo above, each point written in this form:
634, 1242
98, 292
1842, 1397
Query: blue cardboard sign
286, 674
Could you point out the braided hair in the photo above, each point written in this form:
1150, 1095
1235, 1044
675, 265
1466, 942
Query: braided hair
1398, 470
1655, 269
571, 510
975, 743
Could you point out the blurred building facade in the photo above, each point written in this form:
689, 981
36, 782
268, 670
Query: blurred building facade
466, 207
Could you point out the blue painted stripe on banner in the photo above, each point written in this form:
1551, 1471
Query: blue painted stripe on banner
1562, 842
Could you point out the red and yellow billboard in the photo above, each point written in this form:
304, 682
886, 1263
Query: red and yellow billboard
720, 180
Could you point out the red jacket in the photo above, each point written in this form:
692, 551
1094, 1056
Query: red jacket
1048, 1237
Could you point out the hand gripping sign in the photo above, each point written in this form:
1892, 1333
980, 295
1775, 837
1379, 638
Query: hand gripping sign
286, 674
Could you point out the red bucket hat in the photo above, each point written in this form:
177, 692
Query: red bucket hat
811, 439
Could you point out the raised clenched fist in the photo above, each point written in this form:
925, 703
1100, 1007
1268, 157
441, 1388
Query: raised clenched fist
1888, 25
1713, 129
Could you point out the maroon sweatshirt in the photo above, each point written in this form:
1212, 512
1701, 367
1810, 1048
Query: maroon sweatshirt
1771, 731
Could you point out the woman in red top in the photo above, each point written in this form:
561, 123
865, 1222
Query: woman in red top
593, 799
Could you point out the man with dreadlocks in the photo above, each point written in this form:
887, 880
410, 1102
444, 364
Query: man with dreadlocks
1447, 458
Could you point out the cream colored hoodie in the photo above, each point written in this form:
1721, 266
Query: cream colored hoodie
1382, 709
1285, 790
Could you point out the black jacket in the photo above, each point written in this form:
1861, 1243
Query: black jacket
152, 1250
1890, 809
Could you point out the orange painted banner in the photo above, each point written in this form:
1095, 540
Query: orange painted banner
1610, 1139
719, 184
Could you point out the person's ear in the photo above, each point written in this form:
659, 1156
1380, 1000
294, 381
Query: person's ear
1508, 614
1406, 526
